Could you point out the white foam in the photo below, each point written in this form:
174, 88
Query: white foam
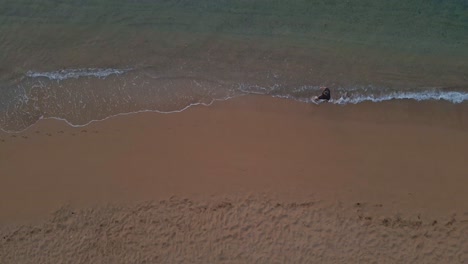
77, 73
356, 95
255, 89
451, 96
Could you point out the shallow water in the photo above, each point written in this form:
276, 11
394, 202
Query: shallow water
89, 60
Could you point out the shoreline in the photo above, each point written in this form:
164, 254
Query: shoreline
447, 106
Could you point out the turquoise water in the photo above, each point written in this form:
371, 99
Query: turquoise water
86, 60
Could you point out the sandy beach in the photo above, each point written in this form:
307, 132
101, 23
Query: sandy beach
184, 131
249, 180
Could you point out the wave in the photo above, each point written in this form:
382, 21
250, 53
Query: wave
79, 103
61, 75
451, 96
356, 95
119, 114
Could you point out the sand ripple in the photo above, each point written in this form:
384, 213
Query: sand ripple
243, 229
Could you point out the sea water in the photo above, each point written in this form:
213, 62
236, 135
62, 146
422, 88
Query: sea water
87, 60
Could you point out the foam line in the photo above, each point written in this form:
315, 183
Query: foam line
61, 75
121, 114
451, 96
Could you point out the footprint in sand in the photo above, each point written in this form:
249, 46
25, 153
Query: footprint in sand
13, 136
84, 131
73, 134
25, 137
49, 134
60, 132
38, 132
2, 140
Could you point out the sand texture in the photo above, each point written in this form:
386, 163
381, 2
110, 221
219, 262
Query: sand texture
250, 180
240, 230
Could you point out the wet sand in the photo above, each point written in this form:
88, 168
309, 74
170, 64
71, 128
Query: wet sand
252, 179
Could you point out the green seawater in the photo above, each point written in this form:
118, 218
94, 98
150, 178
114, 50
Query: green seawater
399, 45
53, 34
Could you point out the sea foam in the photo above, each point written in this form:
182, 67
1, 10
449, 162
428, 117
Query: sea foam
77, 73
356, 95
451, 96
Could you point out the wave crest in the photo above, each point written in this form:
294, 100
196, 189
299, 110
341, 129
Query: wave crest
61, 75
451, 96
356, 95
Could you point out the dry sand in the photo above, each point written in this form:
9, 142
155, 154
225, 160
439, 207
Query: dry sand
253, 179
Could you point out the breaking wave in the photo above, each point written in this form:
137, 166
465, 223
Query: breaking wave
356, 95
61, 75
451, 96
